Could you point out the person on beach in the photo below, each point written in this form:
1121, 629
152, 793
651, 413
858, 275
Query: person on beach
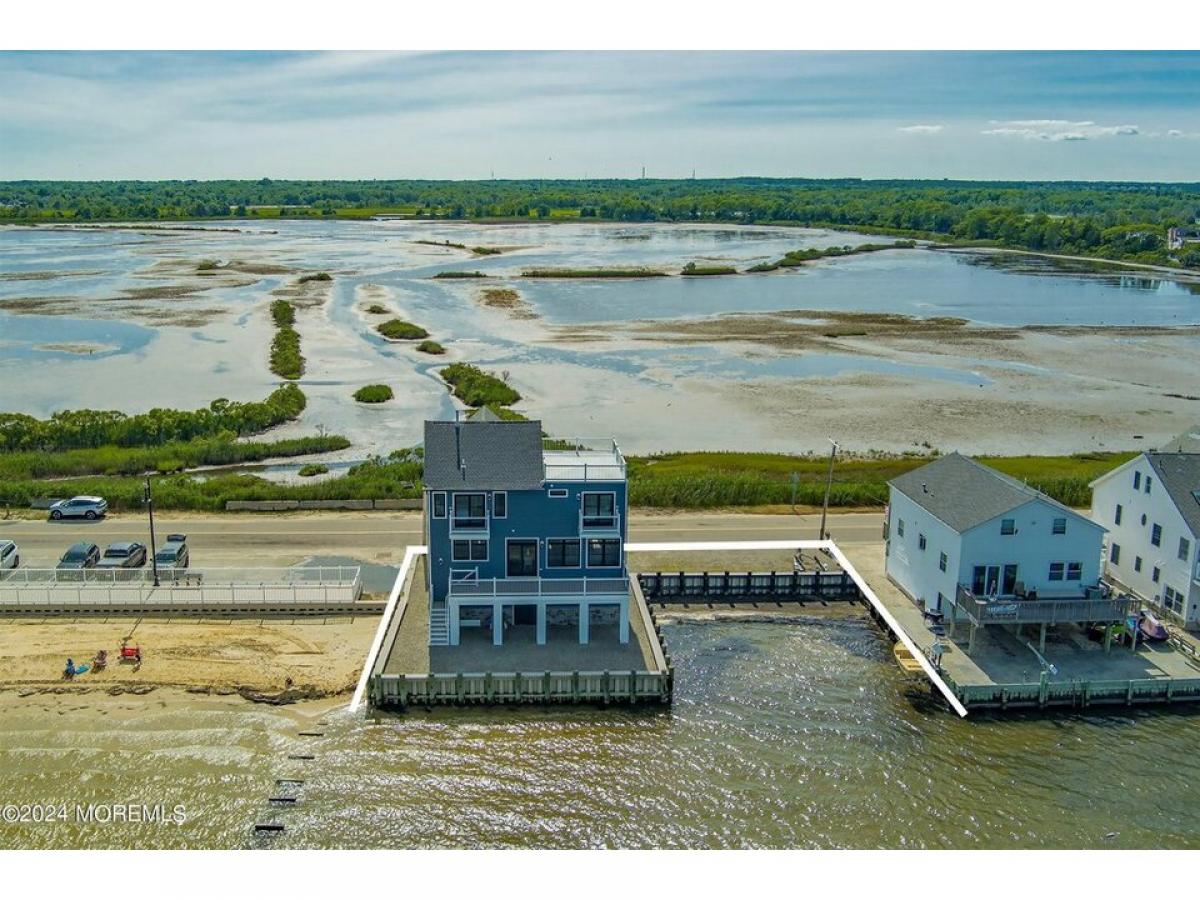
69, 671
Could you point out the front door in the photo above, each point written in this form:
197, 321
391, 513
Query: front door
522, 558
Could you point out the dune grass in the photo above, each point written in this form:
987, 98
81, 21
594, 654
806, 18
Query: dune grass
286, 359
399, 330
431, 347
373, 393
475, 387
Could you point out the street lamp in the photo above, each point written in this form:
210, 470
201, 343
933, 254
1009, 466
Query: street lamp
149, 500
833, 449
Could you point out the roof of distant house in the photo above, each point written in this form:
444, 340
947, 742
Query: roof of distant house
483, 454
957, 490
1188, 442
1179, 475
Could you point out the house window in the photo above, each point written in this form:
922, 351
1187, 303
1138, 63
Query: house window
562, 553
1144, 520
500, 505
1156, 535
1172, 599
1059, 526
559, 493
921, 541
469, 511
1137, 480
603, 553
599, 510
1056, 571
1114, 554
1137, 564
1149, 483
942, 561
1074, 571
900, 528
1117, 517
469, 551
439, 506
1185, 548
1155, 574
941, 602
1008, 526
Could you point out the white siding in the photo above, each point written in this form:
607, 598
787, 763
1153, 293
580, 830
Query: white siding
1133, 536
916, 570
1033, 546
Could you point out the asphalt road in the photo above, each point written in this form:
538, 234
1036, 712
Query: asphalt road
268, 539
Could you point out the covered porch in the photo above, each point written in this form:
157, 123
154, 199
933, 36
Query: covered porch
578, 608
1085, 608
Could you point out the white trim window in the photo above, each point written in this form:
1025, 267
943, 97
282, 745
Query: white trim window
559, 493
438, 501
599, 509
563, 553
470, 510
603, 553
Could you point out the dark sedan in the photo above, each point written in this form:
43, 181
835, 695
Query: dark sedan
80, 556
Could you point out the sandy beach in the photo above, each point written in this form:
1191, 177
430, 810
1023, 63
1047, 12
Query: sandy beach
253, 658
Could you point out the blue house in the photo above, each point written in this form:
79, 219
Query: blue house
521, 536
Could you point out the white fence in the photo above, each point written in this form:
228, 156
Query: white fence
301, 590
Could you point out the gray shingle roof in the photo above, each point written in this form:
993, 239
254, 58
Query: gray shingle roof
963, 493
483, 455
1179, 474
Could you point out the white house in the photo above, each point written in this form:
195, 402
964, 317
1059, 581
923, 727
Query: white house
956, 523
1151, 508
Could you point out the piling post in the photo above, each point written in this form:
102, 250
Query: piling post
1108, 630
971, 640
1042, 639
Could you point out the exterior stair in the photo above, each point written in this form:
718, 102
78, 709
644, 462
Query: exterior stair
439, 626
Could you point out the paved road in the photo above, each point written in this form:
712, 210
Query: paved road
286, 539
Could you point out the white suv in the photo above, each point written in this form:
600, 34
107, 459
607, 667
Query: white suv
79, 507
10, 556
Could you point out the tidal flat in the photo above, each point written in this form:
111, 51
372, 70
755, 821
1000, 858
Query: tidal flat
887, 351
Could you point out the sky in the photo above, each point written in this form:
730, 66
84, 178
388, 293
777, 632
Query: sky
507, 114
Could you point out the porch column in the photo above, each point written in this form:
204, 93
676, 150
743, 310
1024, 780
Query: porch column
971, 639
1042, 639
624, 628
953, 621
1108, 630
585, 616
497, 624
452, 615
541, 623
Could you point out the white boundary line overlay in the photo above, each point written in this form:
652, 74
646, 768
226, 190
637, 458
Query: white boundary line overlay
411, 553
683, 546
833, 549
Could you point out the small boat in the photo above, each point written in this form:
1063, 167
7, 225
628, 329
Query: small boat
907, 662
1151, 629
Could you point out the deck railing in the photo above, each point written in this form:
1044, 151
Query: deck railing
582, 459
1013, 610
538, 587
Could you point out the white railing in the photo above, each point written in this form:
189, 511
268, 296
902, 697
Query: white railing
599, 524
539, 587
582, 459
298, 575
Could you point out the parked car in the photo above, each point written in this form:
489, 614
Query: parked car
10, 556
174, 553
124, 555
82, 555
79, 508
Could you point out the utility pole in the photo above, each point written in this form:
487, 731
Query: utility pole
833, 449
153, 551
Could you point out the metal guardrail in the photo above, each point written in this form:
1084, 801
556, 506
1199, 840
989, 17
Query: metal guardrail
664, 586
522, 687
539, 587
1079, 693
1013, 611
581, 459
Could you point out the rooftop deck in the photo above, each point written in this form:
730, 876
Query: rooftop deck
583, 459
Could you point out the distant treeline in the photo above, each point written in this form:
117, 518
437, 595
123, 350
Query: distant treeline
1118, 220
76, 429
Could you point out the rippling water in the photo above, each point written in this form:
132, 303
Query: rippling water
782, 735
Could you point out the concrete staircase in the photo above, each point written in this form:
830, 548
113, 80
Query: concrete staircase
439, 626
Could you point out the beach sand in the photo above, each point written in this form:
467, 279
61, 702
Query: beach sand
252, 658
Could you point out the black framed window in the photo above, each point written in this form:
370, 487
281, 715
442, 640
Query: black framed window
1056, 571
562, 553
469, 551
500, 505
1074, 571
599, 510
603, 552
439, 506
1008, 526
1059, 526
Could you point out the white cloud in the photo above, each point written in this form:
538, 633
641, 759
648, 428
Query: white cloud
921, 129
1058, 130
